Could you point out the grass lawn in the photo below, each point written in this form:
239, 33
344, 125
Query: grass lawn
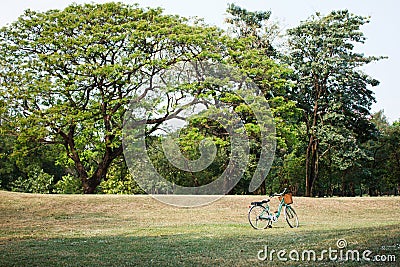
121, 230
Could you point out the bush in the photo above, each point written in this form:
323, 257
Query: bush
117, 185
68, 185
37, 181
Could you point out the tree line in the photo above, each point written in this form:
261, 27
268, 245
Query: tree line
67, 78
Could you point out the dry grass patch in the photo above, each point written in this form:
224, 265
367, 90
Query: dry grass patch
121, 230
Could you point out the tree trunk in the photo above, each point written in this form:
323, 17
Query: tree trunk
343, 188
352, 189
89, 185
312, 149
102, 169
311, 165
308, 175
263, 190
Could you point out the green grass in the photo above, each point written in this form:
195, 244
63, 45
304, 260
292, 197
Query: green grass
115, 230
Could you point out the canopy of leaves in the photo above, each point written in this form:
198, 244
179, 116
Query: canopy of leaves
68, 75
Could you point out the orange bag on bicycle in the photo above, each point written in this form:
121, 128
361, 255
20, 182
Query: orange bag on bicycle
287, 198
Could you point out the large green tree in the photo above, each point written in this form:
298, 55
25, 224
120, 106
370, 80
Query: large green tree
330, 88
384, 167
393, 145
67, 76
259, 59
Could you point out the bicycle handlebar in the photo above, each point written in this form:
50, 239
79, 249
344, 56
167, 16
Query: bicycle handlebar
278, 195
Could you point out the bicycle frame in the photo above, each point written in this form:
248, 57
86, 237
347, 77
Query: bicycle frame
277, 214
261, 217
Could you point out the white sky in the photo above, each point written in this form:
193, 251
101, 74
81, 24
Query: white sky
382, 31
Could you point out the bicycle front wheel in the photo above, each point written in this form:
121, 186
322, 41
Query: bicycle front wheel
291, 217
257, 217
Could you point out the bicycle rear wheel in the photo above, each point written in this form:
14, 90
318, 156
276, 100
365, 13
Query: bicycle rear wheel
257, 215
291, 217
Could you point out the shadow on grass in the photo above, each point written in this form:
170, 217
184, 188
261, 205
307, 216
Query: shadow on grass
230, 246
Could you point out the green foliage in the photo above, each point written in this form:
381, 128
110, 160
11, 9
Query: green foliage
251, 25
8, 169
67, 78
69, 74
68, 184
189, 141
253, 53
37, 181
383, 170
286, 117
119, 180
120, 185
329, 87
251, 49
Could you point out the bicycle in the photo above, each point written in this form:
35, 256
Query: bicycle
260, 216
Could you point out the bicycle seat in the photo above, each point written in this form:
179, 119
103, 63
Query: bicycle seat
258, 203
